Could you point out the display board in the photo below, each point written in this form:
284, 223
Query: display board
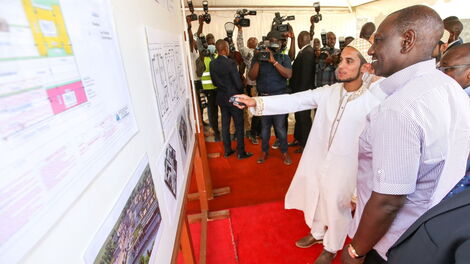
132, 229
65, 111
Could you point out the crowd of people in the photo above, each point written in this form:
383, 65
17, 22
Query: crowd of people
391, 131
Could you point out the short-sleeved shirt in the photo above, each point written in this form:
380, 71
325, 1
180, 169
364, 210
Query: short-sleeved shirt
270, 81
415, 143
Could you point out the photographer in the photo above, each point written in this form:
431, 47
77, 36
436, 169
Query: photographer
289, 34
271, 69
247, 55
328, 61
203, 71
197, 79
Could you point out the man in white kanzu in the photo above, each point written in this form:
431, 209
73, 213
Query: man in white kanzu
325, 179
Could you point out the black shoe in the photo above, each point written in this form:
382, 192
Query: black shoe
217, 137
294, 143
244, 155
230, 152
276, 144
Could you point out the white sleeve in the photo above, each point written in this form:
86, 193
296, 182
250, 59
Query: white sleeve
287, 103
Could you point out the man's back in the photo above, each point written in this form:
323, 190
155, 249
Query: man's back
225, 76
441, 235
303, 71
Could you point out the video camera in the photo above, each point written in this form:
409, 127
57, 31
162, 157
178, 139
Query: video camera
192, 16
263, 47
206, 16
318, 17
278, 20
241, 13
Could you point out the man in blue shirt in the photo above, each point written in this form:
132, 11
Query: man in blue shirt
271, 76
456, 64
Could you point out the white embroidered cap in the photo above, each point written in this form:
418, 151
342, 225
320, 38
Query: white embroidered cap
362, 46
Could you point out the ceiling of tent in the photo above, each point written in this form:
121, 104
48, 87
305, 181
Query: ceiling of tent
281, 3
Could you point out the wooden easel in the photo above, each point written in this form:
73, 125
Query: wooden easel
200, 168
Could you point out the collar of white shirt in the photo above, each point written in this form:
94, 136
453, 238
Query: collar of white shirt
467, 90
304, 47
397, 80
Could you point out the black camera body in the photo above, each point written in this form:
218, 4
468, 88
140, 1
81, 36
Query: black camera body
278, 20
192, 16
262, 47
206, 16
317, 17
202, 45
241, 13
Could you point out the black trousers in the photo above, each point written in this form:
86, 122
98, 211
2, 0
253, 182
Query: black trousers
374, 258
229, 112
279, 123
303, 124
213, 110
198, 87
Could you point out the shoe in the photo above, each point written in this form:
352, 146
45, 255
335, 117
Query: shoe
216, 137
262, 158
308, 241
229, 153
299, 150
244, 155
294, 143
325, 257
276, 144
286, 158
254, 141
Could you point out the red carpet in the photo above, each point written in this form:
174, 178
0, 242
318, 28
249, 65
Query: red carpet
267, 233
259, 229
250, 183
220, 247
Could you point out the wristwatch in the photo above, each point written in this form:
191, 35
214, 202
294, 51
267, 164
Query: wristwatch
352, 252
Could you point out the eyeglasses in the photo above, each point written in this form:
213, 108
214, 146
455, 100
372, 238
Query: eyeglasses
445, 68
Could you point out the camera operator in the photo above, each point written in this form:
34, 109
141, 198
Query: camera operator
328, 61
203, 71
271, 69
197, 79
247, 54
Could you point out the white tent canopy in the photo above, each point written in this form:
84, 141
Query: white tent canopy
343, 17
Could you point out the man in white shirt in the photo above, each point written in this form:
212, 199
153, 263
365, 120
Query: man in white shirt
324, 182
415, 145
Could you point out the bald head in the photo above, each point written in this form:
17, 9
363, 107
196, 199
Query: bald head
404, 38
367, 30
457, 61
303, 39
222, 47
424, 22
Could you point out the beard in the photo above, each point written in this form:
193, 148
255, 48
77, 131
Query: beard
358, 74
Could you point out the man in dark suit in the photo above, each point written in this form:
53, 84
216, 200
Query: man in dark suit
441, 235
225, 76
303, 78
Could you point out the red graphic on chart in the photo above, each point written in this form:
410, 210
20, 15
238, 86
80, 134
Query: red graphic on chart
65, 97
